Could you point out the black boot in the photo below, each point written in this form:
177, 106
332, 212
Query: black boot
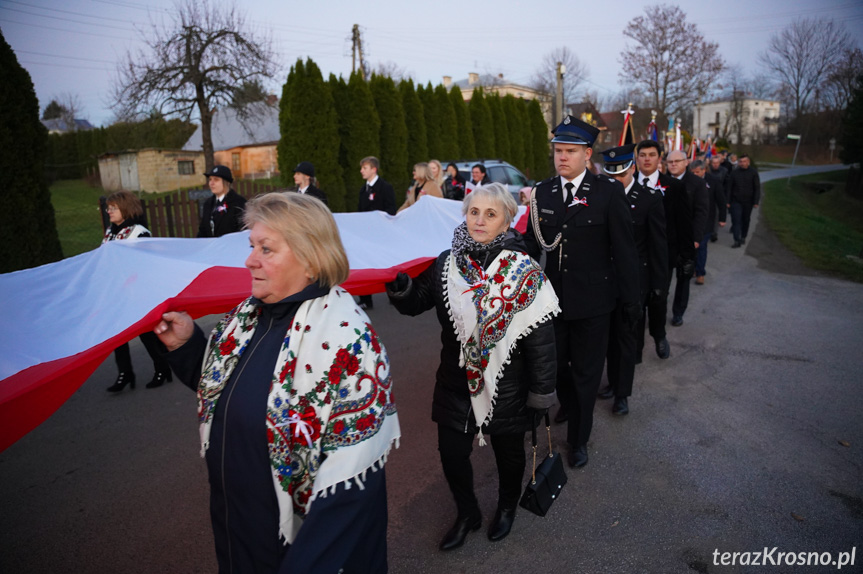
502, 524
159, 379
463, 524
123, 379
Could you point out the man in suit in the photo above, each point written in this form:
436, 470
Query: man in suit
648, 224
580, 219
718, 171
376, 195
745, 193
696, 192
223, 212
304, 177
678, 233
716, 199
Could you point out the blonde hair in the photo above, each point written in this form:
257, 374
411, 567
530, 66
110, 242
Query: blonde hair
496, 192
441, 174
422, 169
309, 229
127, 202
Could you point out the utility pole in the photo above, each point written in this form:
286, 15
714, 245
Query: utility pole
357, 52
558, 108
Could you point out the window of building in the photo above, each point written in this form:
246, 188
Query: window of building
235, 162
185, 167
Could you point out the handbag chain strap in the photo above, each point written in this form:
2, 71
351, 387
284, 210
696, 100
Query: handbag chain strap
533, 441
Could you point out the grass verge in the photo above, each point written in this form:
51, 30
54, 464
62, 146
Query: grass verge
823, 229
76, 208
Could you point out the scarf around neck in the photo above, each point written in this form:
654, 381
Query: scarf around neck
490, 311
330, 412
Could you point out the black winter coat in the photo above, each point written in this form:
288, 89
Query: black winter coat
215, 222
531, 371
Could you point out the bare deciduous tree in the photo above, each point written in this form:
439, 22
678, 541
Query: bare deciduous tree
801, 56
194, 65
545, 79
842, 80
390, 69
670, 59
65, 107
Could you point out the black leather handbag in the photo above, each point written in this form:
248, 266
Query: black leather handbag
547, 480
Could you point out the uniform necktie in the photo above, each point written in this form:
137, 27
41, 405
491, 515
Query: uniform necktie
569, 194
646, 183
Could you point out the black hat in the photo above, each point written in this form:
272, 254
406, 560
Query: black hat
305, 168
618, 159
574, 131
221, 171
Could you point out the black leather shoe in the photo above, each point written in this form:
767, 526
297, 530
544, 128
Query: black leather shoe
456, 535
577, 456
123, 379
160, 379
502, 524
743, 241
736, 245
676, 321
663, 349
561, 416
620, 406
605, 392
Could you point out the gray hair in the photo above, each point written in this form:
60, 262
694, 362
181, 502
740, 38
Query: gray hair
696, 164
496, 192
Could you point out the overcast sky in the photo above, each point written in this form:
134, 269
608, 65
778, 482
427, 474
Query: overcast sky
72, 46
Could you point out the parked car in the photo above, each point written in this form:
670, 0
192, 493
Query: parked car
501, 172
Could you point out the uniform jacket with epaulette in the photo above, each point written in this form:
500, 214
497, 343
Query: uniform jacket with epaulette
596, 261
648, 226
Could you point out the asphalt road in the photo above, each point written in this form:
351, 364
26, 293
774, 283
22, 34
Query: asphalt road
749, 436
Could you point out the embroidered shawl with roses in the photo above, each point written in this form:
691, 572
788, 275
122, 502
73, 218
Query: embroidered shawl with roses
331, 416
491, 310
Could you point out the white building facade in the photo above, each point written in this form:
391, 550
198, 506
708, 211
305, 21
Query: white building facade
745, 120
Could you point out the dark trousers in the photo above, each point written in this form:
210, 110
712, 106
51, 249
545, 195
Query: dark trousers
701, 256
622, 354
155, 349
455, 448
740, 215
367, 299
681, 295
581, 348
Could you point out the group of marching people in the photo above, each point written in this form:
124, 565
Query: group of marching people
294, 385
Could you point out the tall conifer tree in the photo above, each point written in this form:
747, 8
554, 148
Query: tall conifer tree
539, 138
464, 127
310, 131
431, 113
417, 138
364, 136
28, 231
513, 110
482, 123
394, 134
449, 144
501, 127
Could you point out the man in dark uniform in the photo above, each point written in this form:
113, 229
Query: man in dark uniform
223, 212
696, 192
716, 201
304, 175
678, 232
580, 219
376, 195
724, 179
648, 224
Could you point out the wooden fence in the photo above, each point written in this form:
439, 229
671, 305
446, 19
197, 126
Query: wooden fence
178, 214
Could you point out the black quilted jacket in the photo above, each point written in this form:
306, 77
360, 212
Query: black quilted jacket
528, 380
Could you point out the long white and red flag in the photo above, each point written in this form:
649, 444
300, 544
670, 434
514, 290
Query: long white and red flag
60, 321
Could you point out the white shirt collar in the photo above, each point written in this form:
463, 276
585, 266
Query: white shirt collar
575, 182
653, 178
628, 187
372, 181
679, 176
303, 190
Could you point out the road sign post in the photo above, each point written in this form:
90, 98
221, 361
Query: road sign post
796, 149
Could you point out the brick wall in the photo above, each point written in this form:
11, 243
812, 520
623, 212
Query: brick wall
158, 169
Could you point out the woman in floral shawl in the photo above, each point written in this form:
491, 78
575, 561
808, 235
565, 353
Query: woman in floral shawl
497, 369
294, 403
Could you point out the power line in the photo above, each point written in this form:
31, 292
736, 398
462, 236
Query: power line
43, 27
65, 57
63, 19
